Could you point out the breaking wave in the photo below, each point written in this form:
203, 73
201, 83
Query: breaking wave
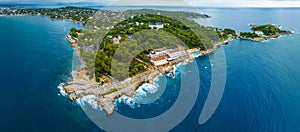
61, 90
147, 93
141, 96
90, 100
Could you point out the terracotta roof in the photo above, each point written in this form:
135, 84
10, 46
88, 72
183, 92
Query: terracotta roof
159, 58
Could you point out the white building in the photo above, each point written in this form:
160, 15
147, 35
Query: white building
73, 41
116, 40
158, 26
259, 33
159, 52
158, 61
176, 53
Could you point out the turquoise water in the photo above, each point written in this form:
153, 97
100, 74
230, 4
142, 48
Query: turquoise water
196, 54
262, 90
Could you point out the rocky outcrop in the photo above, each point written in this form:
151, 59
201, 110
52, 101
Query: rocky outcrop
107, 93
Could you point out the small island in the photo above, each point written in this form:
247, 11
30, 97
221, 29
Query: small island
106, 31
260, 33
160, 59
263, 32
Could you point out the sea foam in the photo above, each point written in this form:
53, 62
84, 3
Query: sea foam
140, 97
90, 100
143, 92
61, 90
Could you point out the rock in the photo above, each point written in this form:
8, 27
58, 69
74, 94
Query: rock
67, 90
73, 97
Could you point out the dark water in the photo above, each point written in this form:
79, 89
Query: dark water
35, 58
262, 90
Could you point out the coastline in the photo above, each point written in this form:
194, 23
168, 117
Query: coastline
81, 85
104, 96
261, 78
265, 38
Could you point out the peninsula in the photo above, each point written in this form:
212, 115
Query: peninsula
110, 30
145, 66
109, 74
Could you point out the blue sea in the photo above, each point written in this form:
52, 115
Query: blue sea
262, 88
35, 58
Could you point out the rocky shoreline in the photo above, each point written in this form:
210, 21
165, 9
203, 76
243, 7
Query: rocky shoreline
106, 94
82, 85
261, 39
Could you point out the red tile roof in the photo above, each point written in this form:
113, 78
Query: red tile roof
159, 58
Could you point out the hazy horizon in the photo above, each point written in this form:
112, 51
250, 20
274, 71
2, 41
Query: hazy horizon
171, 3
95, 5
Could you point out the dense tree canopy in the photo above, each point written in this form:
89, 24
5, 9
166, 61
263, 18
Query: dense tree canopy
150, 40
268, 29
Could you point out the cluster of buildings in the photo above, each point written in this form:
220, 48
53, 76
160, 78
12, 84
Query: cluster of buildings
72, 40
163, 56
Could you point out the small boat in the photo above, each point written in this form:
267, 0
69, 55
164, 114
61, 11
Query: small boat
169, 74
173, 73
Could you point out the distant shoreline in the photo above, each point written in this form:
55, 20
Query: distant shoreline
88, 4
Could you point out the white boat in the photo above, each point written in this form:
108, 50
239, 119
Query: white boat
173, 73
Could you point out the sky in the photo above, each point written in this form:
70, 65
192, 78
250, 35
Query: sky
200, 3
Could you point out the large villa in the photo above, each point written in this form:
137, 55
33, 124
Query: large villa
163, 56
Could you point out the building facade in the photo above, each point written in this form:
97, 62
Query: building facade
158, 61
